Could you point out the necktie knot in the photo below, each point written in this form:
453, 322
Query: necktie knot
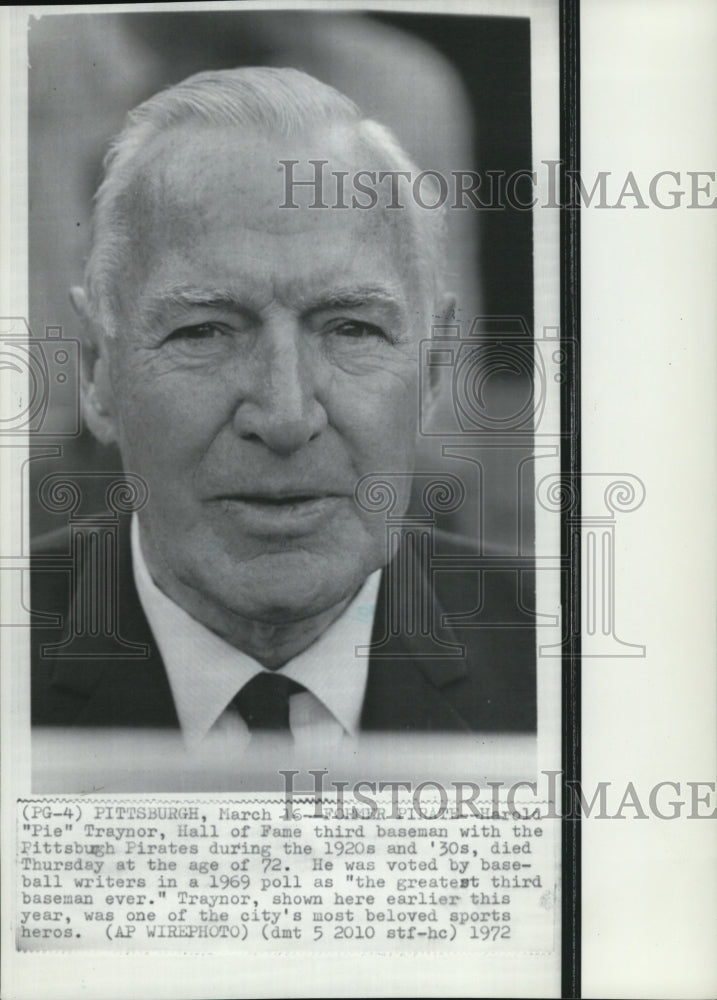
263, 702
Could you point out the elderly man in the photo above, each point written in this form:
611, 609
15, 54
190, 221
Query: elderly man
254, 355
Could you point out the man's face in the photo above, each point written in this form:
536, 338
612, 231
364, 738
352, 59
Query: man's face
266, 360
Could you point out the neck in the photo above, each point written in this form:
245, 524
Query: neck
272, 642
269, 643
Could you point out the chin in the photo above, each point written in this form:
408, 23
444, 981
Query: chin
289, 586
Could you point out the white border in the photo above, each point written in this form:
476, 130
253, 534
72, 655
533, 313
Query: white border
649, 367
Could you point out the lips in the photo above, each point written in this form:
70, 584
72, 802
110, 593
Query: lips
280, 498
284, 512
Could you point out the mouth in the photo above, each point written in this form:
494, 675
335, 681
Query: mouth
281, 512
278, 499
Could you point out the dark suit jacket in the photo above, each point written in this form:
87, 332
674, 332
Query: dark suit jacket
413, 683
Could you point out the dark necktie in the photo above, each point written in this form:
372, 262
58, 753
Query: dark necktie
264, 702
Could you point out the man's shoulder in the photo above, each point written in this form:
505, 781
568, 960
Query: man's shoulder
94, 658
455, 543
461, 569
55, 542
61, 558
51, 577
484, 598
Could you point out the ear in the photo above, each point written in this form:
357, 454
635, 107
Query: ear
433, 376
98, 403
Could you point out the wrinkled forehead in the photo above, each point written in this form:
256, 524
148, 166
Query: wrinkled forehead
203, 177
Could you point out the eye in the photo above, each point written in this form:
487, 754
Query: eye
358, 330
200, 332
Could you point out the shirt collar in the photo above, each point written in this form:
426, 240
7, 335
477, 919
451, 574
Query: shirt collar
205, 672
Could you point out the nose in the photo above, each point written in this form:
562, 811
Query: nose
280, 406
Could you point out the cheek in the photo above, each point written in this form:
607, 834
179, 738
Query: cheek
162, 426
379, 416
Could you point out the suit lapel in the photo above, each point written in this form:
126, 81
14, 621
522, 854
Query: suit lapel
103, 691
413, 683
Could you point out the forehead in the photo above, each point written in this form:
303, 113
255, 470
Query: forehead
206, 191
199, 165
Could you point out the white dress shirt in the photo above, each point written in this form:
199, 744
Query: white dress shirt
205, 672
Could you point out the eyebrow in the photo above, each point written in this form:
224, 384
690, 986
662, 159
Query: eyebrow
182, 298
356, 297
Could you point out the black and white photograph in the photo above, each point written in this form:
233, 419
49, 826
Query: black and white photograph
291, 510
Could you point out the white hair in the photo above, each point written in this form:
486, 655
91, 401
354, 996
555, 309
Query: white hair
276, 101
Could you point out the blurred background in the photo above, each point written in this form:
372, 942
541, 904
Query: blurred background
454, 89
